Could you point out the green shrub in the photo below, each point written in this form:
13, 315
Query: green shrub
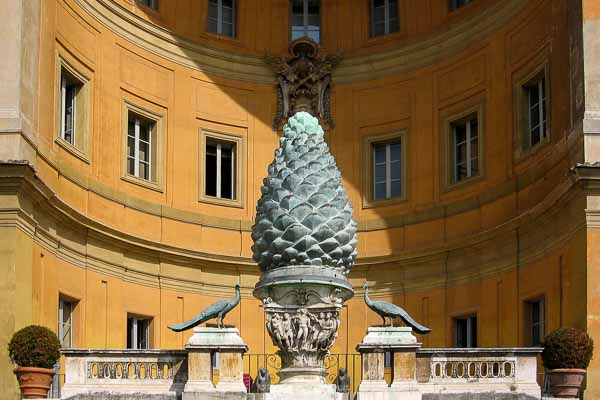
34, 346
567, 348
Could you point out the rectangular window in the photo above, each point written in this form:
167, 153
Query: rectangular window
306, 19
221, 17
536, 110
465, 148
384, 17
536, 314
141, 146
456, 4
220, 169
465, 331
70, 87
138, 332
153, 4
65, 322
387, 170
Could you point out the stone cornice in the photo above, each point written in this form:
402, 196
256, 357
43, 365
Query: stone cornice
252, 68
544, 228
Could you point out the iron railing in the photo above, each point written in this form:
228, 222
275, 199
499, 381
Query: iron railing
333, 362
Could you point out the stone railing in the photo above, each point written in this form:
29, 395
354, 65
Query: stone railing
151, 372
479, 370
439, 373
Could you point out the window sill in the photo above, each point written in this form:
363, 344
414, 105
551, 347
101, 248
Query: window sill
523, 154
451, 186
367, 203
221, 202
73, 150
234, 40
143, 183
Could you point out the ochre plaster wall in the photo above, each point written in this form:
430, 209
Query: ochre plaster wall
484, 247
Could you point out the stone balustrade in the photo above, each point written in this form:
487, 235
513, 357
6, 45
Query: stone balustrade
151, 372
439, 373
478, 370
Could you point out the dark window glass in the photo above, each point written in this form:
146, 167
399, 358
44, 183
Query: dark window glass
536, 110
139, 146
226, 172
69, 90
306, 19
387, 170
465, 142
465, 329
384, 17
536, 322
138, 333
221, 17
220, 169
153, 4
456, 4
211, 170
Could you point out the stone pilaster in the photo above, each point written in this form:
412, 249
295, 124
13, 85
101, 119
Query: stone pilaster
403, 345
202, 347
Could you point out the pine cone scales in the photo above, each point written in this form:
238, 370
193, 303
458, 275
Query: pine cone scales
303, 216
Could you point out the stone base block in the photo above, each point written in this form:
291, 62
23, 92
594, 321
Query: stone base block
302, 392
302, 376
389, 336
373, 386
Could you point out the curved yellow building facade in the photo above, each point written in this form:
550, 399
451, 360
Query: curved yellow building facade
78, 227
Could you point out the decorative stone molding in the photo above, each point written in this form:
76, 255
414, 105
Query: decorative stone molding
303, 82
440, 45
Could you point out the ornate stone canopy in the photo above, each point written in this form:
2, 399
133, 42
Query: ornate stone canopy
303, 82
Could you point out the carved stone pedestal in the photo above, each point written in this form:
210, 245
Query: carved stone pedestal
403, 344
201, 347
303, 321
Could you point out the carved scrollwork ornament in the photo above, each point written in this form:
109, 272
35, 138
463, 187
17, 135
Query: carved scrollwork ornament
303, 82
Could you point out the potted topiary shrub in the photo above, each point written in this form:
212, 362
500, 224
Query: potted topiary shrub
35, 350
567, 354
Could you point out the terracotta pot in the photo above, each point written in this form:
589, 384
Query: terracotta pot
35, 382
565, 382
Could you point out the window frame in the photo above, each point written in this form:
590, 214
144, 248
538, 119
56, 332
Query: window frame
386, 19
239, 141
368, 143
219, 31
157, 171
529, 324
82, 118
133, 344
154, 4
388, 169
137, 144
522, 79
305, 20
469, 339
452, 6
61, 325
457, 113
467, 121
219, 144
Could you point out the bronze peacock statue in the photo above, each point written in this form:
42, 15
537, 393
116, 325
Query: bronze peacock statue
391, 311
216, 310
